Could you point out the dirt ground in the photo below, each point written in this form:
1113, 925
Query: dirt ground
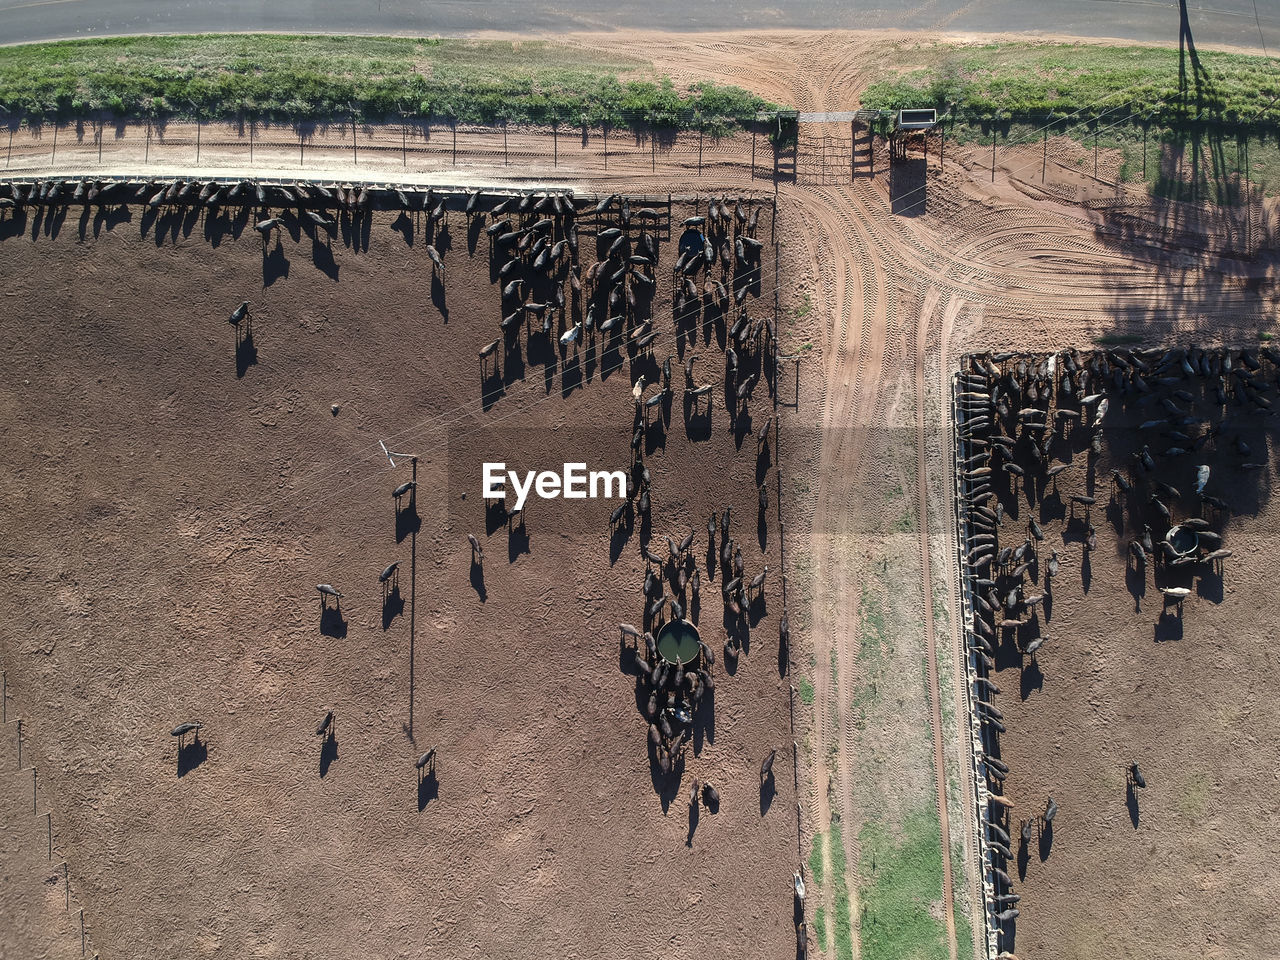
1125, 675
885, 283
171, 507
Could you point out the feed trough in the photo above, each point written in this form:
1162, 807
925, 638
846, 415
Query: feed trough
1183, 541
678, 642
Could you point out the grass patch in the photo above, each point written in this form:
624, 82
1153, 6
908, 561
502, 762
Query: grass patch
806, 305
816, 866
806, 691
839, 879
1003, 80
905, 523
875, 632
305, 78
820, 926
901, 881
1265, 336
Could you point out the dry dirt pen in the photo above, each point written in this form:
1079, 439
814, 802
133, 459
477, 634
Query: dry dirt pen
1090, 654
177, 485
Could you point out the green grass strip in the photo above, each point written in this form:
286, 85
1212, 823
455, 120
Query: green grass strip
313, 78
902, 883
1010, 81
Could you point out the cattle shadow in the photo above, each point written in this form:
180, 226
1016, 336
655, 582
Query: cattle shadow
768, 790
477, 580
332, 623
1131, 802
407, 519
517, 540
1135, 579
438, 299
322, 258
428, 789
1046, 841
762, 525
1024, 858
1168, 627
621, 534
695, 811
704, 722
246, 354
328, 754
666, 785
191, 755
392, 606
1030, 679
275, 265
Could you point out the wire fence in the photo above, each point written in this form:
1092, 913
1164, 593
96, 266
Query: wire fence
415, 146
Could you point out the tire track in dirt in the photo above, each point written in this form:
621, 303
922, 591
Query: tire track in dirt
927, 311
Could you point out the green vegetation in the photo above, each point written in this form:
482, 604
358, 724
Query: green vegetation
806, 691
839, 880
310, 78
820, 926
901, 881
816, 866
1005, 81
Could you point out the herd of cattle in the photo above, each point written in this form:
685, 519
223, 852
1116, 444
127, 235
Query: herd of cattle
1032, 428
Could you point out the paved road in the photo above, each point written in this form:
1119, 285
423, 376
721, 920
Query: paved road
1213, 21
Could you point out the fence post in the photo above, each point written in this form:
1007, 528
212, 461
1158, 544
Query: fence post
700, 132
10, 157
505, 155
555, 145
54, 155
146, 156
198, 125
1044, 156
454, 123
755, 130
994, 134
355, 157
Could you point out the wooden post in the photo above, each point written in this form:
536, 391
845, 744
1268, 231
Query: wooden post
754, 133
198, 125
1095, 152
146, 156
555, 145
55, 142
1044, 156
355, 158
993, 156
455, 141
700, 133
505, 157
1144, 151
